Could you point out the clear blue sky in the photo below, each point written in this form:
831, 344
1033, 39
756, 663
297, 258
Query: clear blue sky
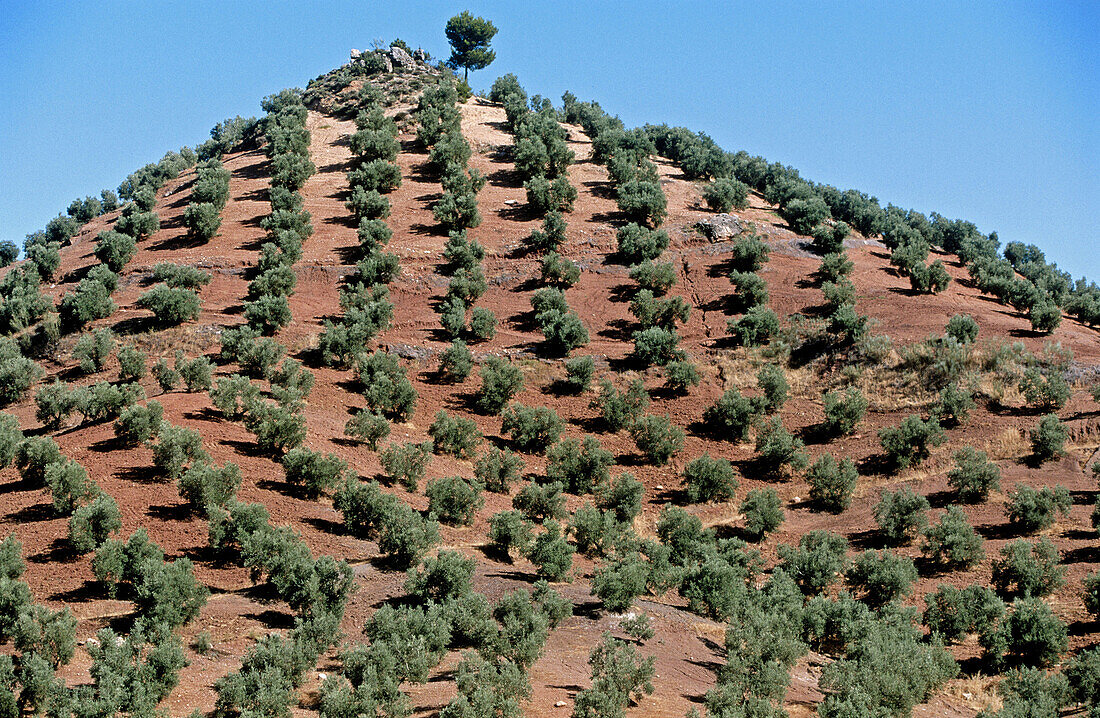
986, 111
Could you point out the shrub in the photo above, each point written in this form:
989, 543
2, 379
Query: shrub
456, 362
1048, 438
709, 479
680, 375
367, 427
952, 613
657, 277
68, 483
204, 485
551, 553
115, 249
834, 265
34, 456
277, 429
1028, 569
497, 469
881, 577
578, 373
551, 236
963, 328
532, 429
1030, 634
500, 381
763, 512
176, 446
817, 562
563, 331
54, 403
657, 438
621, 580
540, 502
755, 327
773, 385
733, 415
91, 301
832, 483
843, 411
387, 388
454, 500
639, 244
900, 514
170, 306
954, 405
93, 350
131, 364
508, 530
166, 376
457, 211
139, 424
559, 271
777, 448
593, 531
313, 471
197, 374
442, 577
454, 435
1045, 391
1030, 510
269, 313
952, 542
406, 463
725, 194
656, 345
830, 240
180, 276
974, 475
750, 290
908, 443
642, 202
202, 220
619, 409
622, 497
1091, 584
231, 395
1045, 316
103, 400
580, 466
93, 523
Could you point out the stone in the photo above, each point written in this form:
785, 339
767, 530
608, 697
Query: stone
420, 55
401, 58
387, 61
560, 704
722, 226
355, 54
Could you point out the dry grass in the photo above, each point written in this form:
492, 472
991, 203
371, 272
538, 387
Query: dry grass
1009, 444
976, 692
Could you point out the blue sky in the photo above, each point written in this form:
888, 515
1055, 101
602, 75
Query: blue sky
986, 111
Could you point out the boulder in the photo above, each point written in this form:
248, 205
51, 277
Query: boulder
420, 55
355, 55
722, 226
401, 58
386, 61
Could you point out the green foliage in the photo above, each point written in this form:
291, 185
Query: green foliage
908, 443
367, 427
441, 577
620, 580
1045, 316
313, 471
454, 435
638, 244
843, 411
725, 194
93, 523
804, 214
406, 463
594, 531
456, 362
197, 373
500, 381
277, 429
773, 385
952, 542
559, 271
131, 364
901, 514
387, 388
104, 400
551, 236
732, 415
539, 502
1030, 510
619, 409
963, 328
763, 512
269, 313
93, 350
657, 277
973, 475
508, 530
619, 676
454, 500
68, 483
1028, 569
755, 327
578, 373
818, 561
580, 466
1047, 438
497, 469
657, 438
176, 447
204, 485
531, 429
832, 483
834, 265
170, 306
180, 276
1046, 391
139, 424
643, 202
544, 195
777, 448
881, 577
1030, 634
115, 249
709, 479
34, 456
470, 37
166, 376
657, 345
952, 613
231, 395
622, 497
54, 403
551, 553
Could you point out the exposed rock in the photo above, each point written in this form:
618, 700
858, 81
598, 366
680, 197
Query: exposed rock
355, 54
401, 58
420, 55
722, 226
387, 61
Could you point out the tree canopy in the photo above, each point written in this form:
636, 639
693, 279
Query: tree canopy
470, 37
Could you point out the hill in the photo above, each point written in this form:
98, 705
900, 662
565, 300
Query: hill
695, 580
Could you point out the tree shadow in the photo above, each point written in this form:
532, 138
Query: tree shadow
170, 512
325, 525
141, 474
60, 551
32, 514
86, 591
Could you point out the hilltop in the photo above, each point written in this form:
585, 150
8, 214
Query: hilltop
892, 352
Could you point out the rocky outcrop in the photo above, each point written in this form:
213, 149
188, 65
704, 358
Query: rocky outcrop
720, 227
